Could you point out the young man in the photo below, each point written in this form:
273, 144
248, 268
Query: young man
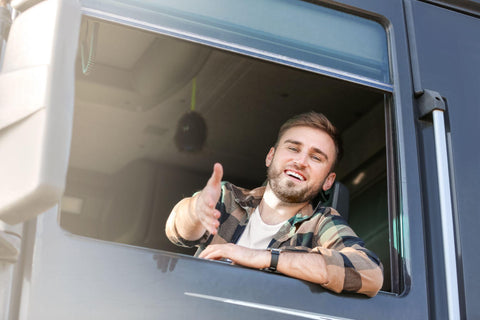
278, 226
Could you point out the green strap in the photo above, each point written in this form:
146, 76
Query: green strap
194, 89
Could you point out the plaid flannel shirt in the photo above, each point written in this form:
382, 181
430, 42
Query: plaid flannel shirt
351, 267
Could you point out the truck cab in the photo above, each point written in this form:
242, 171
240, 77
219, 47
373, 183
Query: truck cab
96, 150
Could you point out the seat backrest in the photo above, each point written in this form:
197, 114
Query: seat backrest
337, 197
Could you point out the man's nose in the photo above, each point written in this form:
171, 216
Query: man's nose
301, 159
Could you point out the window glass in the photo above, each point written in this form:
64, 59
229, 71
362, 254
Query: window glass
126, 172
317, 36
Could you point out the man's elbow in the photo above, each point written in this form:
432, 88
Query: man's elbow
170, 230
373, 281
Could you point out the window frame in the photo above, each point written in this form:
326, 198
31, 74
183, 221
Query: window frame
118, 15
397, 285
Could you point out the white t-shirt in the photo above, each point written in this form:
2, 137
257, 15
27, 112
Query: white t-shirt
258, 234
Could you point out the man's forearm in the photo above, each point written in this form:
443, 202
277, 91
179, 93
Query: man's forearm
309, 266
183, 221
351, 270
305, 266
313, 267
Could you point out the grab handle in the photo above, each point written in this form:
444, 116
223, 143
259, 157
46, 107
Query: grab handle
431, 102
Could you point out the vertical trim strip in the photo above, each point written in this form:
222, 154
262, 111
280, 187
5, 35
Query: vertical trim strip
412, 47
446, 213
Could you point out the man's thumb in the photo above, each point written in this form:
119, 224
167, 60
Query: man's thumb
217, 173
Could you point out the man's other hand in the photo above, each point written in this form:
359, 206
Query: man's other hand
208, 198
246, 257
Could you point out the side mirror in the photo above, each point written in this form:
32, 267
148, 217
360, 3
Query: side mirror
36, 108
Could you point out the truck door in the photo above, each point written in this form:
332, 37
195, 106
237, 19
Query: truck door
123, 171
447, 61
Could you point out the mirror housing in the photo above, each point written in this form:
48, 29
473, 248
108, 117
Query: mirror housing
36, 108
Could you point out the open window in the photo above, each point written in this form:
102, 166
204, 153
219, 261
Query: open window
132, 87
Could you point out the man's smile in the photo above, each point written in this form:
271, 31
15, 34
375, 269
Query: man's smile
295, 174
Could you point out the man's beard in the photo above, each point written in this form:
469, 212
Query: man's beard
285, 189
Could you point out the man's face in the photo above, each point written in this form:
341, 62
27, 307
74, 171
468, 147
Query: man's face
300, 165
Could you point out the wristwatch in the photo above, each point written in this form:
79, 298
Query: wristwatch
275, 254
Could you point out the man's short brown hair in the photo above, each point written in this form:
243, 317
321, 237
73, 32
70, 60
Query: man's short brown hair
315, 120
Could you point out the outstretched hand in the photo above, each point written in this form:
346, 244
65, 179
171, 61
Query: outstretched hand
205, 204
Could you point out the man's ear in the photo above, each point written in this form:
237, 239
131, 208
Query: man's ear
269, 158
329, 181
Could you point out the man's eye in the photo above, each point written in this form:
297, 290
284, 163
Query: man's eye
317, 158
293, 149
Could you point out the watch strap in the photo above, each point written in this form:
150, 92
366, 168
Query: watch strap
275, 254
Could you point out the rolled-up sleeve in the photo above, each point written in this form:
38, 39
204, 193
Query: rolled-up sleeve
350, 266
176, 239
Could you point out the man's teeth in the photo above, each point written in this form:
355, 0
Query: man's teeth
295, 175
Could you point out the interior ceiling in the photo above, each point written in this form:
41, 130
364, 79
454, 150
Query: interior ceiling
115, 47
244, 101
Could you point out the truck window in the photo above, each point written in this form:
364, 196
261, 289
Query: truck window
132, 86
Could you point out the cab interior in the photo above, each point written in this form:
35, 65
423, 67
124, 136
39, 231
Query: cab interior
126, 172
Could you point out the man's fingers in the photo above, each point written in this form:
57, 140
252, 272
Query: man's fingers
212, 252
205, 252
210, 223
205, 203
220, 251
213, 220
207, 214
207, 208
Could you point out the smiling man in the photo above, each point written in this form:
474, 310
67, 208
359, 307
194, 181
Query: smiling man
279, 227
